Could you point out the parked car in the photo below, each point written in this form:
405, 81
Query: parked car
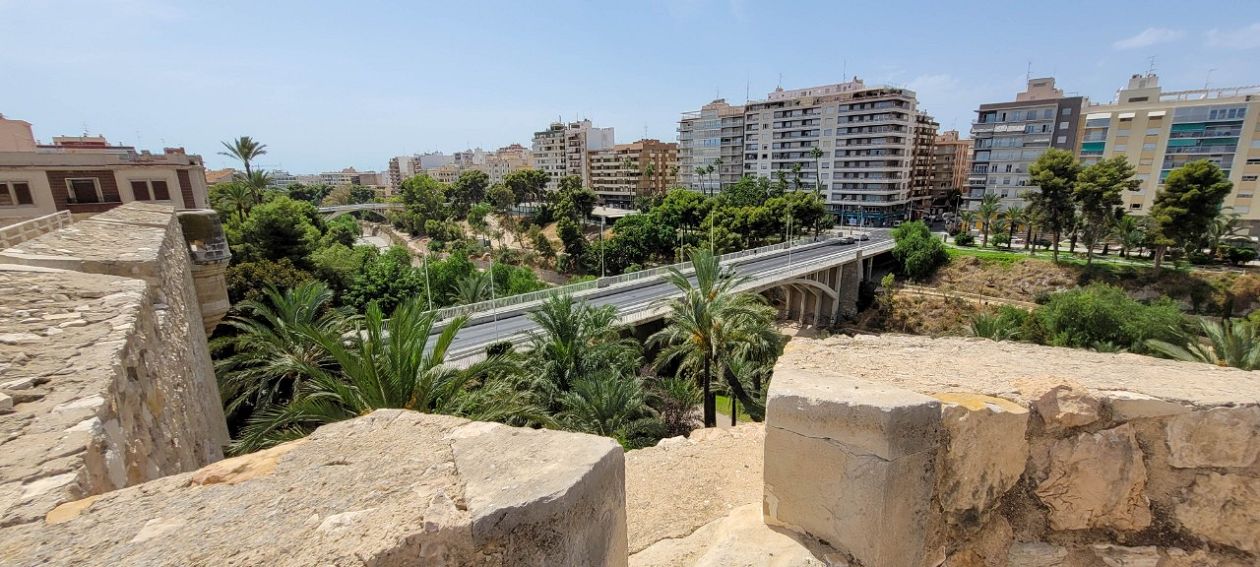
863, 236
847, 240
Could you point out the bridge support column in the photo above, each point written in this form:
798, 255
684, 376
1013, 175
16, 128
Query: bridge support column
869, 269
850, 280
800, 311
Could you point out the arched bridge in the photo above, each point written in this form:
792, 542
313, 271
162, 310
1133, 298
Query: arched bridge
338, 210
815, 281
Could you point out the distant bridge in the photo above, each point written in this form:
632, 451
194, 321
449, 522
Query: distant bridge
338, 210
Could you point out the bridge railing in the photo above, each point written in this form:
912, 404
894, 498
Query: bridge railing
573, 289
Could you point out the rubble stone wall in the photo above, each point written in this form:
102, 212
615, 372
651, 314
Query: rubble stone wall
1026, 464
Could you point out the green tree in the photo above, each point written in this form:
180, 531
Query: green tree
263, 362
1188, 204
469, 188
390, 363
313, 193
1015, 215
611, 406
710, 324
387, 280
1097, 193
917, 250
817, 154
1054, 173
502, 198
472, 288
1130, 232
232, 200
279, 228
245, 149
424, 196
574, 341
257, 182
249, 280
527, 185
571, 236
990, 208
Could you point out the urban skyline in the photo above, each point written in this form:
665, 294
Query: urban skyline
495, 94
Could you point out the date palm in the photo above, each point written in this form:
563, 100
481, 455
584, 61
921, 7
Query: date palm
967, 220
1014, 216
990, 207
1129, 231
267, 358
576, 340
710, 324
1229, 343
245, 149
471, 288
391, 363
609, 405
257, 182
234, 196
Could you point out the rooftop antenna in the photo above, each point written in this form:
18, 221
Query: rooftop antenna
1208, 80
844, 66
1150, 69
1028, 72
780, 85
85, 129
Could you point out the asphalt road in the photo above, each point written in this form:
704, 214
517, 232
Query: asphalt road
482, 333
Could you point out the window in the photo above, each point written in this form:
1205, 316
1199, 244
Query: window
1122, 148
1244, 195
1146, 161
1061, 140
1063, 125
1248, 178
1253, 161
1148, 147
1047, 114
84, 190
155, 190
1067, 111
1135, 206
15, 194
1152, 131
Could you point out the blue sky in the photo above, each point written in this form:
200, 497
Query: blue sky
350, 83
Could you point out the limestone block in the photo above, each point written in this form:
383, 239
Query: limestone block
1119, 556
1096, 480
1223, 509
985, 455
1218, 437
1132, 405
394, 488
988, 548
1065, 407
852, 463
6, 403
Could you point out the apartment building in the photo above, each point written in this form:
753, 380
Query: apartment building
923, 157
867, 138
950, 164
625, 171
1009, 136
86, 174
1159, 131
563, 149
711, 137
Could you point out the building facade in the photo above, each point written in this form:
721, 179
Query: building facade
950, 164
711, 137
88, 175
625, 171
921, 165
1159, 131
1009, 136
563, 149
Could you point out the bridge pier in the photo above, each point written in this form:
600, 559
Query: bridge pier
851, 276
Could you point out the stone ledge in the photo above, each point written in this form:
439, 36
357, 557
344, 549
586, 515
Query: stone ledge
391, 488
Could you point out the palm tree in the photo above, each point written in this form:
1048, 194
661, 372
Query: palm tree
235, 196
817, 154
967, 220
257, 182
1014, 215
710, 324
1128, 230
471, 288
990, 207
271, 351
391, 363
612, 406
717, 166
1224, 226
1229, 343
576, 340
245, 149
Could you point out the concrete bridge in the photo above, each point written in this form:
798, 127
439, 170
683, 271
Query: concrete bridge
338, 210
814, 282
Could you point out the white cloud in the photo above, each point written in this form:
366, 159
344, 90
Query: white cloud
1242, 38
1149, 37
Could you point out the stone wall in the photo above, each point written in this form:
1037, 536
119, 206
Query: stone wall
394, 488
913, 451
105, 373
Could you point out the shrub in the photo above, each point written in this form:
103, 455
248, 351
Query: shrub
1239, 255
918, 251
965, 240
1006, 323
1102, 314
1000, 240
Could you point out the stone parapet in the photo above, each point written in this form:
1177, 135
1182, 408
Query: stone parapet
1031, 455
394, 488
104, 357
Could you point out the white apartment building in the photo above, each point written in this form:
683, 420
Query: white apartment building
711, 137
563, 148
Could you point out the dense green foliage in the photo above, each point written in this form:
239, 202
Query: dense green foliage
917, 250
1227, 343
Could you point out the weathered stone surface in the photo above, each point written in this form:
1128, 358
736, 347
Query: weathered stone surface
393, 488
1065, 407
1119, 556
852, 463
119, 387
985, 455
1218, 437
723, 472
988, 548
740, 539
1223, 509
1127, 405
1037, 554
1096, 480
